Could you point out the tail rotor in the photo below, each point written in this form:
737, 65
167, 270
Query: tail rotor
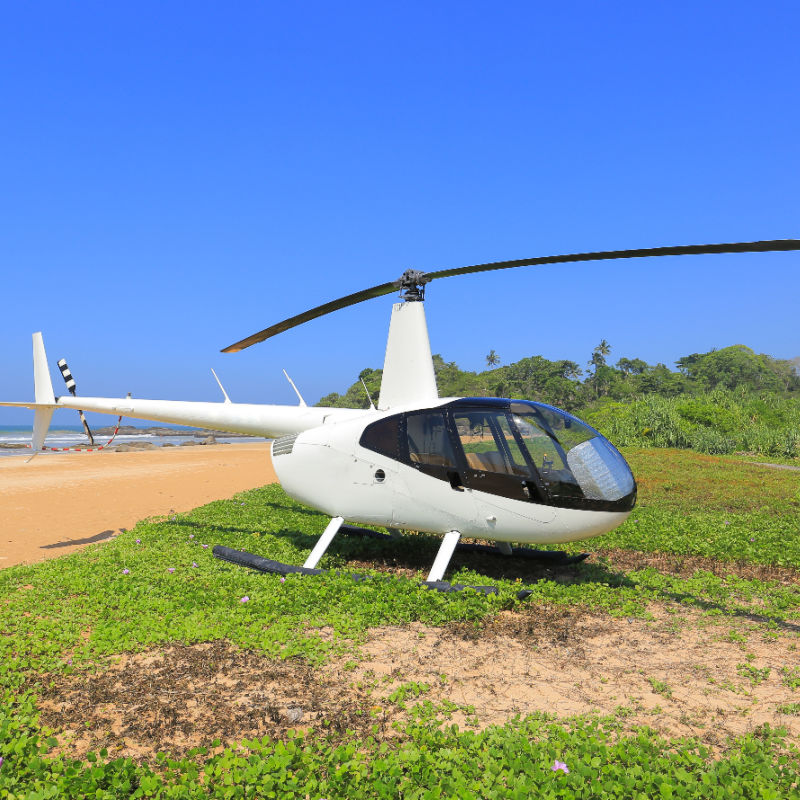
70, 381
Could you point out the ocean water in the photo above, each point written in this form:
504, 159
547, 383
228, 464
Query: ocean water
73, 436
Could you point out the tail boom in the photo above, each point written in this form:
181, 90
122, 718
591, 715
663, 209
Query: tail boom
257, 420
249, 418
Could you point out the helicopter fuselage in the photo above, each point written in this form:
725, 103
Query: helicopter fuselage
466, 464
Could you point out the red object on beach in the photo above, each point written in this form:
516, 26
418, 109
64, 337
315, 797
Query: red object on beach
84, 449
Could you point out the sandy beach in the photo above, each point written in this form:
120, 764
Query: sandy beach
59, 503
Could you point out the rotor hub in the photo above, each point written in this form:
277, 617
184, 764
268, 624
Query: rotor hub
412, 285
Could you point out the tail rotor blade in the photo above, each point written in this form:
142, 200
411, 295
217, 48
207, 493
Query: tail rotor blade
70, 381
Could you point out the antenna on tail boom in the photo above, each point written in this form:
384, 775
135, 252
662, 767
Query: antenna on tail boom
219, 383
296, 390
369, 396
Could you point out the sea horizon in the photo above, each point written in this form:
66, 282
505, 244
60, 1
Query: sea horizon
73, 436
79, 428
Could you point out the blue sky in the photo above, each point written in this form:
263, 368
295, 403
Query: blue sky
177, 176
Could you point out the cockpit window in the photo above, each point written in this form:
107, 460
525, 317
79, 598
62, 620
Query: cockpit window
488, 442
568, 430
514, 448
428, 439
383, 437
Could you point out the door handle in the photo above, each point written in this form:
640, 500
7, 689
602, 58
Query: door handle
455, 480
532, 491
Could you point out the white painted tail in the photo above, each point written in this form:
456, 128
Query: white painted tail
42, 385
408, 376
43, 393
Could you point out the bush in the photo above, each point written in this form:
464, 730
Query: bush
716, 422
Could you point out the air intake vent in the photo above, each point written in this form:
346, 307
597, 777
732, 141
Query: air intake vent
283, 446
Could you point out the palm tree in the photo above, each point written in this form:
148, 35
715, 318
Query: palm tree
598, 360
492, 359
572, 370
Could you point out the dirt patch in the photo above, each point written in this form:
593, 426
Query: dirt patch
774, 466
680, 673
186, 696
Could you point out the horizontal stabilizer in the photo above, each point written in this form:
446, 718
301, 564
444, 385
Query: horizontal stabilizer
28, 404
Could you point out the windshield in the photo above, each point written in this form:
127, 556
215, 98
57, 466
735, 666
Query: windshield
531, 440
570, 455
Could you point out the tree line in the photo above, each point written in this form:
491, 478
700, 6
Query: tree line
566, 384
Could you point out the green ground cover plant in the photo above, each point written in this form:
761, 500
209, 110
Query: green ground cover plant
158, 585
526, 758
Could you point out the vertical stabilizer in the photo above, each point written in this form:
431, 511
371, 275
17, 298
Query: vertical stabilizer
42, 385
43, 394
408, 376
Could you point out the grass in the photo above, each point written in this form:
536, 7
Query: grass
157, 585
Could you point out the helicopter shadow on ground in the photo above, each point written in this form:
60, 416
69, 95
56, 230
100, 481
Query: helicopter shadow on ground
394, 556
294, 509
411, 554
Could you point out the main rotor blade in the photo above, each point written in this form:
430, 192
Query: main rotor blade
319, 311
605, 255
425, 277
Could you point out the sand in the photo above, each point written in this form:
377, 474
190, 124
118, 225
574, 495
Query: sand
61, 502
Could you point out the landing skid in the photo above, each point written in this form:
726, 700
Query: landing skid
245, 559
450, 544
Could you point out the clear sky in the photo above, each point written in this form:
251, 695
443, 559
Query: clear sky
176, 176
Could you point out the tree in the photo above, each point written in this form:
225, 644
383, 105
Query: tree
738, 367
632, 366
602, 375
492, 359
537, 378
356, 397
571, 370
661, 380
601, 351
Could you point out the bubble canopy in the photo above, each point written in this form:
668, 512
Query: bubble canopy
518, 449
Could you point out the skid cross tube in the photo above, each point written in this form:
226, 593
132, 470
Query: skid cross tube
446, 550
324, 542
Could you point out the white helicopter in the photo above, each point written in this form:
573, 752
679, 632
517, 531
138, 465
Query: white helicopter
504, 470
